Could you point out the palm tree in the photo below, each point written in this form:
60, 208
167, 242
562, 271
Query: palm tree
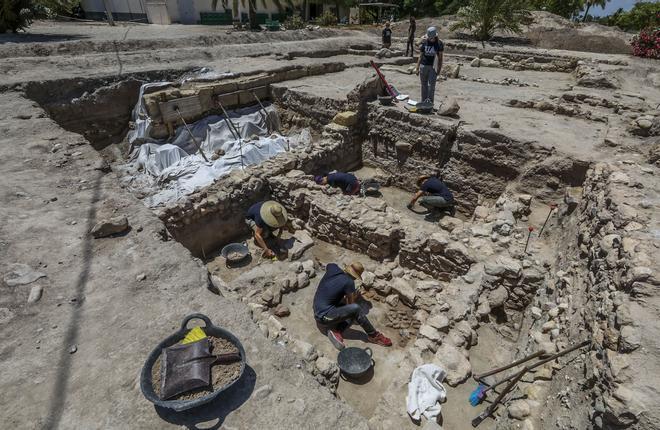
590, 3
484, 17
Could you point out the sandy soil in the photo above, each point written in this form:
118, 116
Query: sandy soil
137, 287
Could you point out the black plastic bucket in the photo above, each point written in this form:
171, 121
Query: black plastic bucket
182, 405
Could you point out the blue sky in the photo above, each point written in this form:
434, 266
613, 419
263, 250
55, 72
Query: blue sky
613, 5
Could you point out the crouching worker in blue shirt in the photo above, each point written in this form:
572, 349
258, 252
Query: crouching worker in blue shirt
335, 305
346, 182
433, 194
266, 218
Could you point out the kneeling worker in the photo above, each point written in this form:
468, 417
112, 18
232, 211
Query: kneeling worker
265, 217
434, 194
346, 182
335, 305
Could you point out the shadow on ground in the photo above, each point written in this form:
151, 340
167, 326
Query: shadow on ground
39, 38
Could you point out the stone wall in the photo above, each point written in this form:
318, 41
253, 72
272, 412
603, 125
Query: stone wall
214, 216
622, 256
475, 164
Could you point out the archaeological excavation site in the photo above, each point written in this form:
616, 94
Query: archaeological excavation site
157, 183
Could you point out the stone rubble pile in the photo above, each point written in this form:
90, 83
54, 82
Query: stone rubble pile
500, 61
590, 75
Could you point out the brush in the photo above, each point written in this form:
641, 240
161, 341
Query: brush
478, 395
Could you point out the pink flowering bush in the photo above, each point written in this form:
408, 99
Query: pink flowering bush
647, 43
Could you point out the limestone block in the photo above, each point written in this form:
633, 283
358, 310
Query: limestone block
347, 118
405, 291
302, 242
430, 333
454, 362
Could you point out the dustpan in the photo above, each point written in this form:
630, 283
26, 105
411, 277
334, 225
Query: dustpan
185, 367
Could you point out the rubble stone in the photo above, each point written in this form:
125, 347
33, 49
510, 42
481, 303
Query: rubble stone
109, 227
454, 362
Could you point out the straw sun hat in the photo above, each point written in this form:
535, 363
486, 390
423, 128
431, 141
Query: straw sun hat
273, 214
355, 269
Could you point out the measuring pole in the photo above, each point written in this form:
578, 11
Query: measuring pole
233, 130
268, 124
199, 148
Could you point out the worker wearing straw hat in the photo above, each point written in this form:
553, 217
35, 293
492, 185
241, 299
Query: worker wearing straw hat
264, 218
335, 306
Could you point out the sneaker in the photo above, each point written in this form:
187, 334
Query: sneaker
336, 339
380, 339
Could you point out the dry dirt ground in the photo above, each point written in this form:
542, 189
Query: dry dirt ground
71, 354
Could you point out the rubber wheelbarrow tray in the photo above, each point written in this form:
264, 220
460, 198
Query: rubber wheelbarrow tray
146, 382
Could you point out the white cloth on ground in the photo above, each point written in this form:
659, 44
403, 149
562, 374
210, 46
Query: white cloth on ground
425, 390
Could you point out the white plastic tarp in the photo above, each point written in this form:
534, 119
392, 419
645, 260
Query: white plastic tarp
166, 170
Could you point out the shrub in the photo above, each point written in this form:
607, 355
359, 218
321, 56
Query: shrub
647, 43
484, 17
327, 19
294, 22
15, 15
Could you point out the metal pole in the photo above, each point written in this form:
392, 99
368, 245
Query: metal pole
233, 130
552, 208
268, 124
108, 12
199, 148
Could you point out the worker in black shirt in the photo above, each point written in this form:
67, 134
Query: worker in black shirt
346, 182
387, 35
411, 37
433, 194
430, 48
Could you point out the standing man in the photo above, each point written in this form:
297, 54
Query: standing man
346, 182
412, 27
265, 217
335, 305
430, 48
433, 194
387, 35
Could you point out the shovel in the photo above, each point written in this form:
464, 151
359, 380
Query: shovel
188, 366
185, 367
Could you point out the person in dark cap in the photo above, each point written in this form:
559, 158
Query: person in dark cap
433, 194
430, 49
346, 182
335, 305
264, 218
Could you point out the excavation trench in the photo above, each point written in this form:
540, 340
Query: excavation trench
471, 270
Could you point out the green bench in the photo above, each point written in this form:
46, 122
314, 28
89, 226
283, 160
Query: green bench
215, 18
272, 25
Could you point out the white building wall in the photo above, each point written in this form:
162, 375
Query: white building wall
116, 6
124, 7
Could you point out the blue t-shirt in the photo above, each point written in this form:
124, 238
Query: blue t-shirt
436, 187
428, 51
344, 181
334, 285
254, 213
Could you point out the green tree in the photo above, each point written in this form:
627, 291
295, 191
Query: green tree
484, 17
565, 8
449, 7
590, 3
15, 15
642, 15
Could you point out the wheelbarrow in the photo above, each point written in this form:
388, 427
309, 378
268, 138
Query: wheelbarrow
146, 382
